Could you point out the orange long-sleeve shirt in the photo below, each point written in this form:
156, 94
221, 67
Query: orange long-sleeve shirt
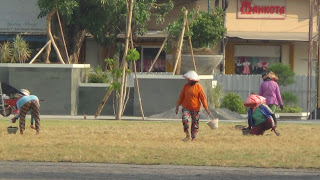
190, 97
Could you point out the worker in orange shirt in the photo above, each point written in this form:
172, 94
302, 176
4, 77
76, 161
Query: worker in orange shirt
190, 97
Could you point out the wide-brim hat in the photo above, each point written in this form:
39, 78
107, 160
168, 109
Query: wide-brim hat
25, 92
270, 75
192, 75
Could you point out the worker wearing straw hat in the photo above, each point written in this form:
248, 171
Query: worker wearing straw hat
190, 97
269, 89
25, 104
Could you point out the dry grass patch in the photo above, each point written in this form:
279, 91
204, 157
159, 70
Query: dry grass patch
137, 142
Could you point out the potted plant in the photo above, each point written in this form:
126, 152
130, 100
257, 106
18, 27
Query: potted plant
20, 49
206, 30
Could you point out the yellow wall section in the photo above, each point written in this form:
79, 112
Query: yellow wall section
229, 59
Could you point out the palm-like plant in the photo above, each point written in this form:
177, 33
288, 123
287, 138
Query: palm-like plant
5, 52
21, 50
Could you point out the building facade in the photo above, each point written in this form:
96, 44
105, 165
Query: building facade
21, 17
260, 33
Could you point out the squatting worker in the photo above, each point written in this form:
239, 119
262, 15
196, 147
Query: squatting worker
190, 97
25, 104
269, 89
260, 116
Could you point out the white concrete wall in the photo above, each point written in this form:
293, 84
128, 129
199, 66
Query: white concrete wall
301, 50
92, 52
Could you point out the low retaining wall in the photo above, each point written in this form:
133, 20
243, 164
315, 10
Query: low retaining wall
160, 91
56, 84
91, 95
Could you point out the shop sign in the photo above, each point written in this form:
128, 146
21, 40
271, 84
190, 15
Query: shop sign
261, 9
21, 16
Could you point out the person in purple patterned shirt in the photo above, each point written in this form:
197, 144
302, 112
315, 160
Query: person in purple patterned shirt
269, 89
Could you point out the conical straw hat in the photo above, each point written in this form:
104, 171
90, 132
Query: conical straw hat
25, 92
192, 75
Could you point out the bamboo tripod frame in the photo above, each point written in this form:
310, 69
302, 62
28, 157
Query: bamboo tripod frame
182, 35
51, 40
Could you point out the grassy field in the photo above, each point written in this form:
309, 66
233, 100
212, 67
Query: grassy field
138, 142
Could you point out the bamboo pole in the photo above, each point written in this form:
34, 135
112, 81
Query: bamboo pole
178, 58
56, 49
137, 81
49, 16
156, 58
191, 49
103, 102
40, 51
64, 42
124, 61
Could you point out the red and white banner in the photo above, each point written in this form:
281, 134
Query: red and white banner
261, 9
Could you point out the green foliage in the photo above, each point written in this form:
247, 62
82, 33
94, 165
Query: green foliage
5, 52
21, 50
215, 94
16, 51
133, 55
65, 7
233, 102
106, 19
285, 74
206, 28
98, 76
116, 74
116, 86
144, 9
290, 109
289, 98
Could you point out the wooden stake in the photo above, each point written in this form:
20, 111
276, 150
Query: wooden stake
40, 51
49, 16
156, 58
138, 88
191, 50
103, 102
137, 82
64, 42
124, 61
56, 49
180, 43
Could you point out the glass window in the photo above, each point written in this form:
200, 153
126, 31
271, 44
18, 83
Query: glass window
147, 56
255, 59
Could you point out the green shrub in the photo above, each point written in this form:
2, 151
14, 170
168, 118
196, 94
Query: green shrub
234, 102
290, 109
214, 96
289, 98
285, 74
97, 75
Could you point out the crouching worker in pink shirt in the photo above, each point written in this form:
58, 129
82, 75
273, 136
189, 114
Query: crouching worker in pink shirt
260, 116
25, 104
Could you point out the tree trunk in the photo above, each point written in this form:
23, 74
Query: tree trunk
78, 40
74, 38
48, 26
58, 36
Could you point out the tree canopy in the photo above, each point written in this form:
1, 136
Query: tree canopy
103, 19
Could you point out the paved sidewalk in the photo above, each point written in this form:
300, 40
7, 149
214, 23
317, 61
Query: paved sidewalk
66, 170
